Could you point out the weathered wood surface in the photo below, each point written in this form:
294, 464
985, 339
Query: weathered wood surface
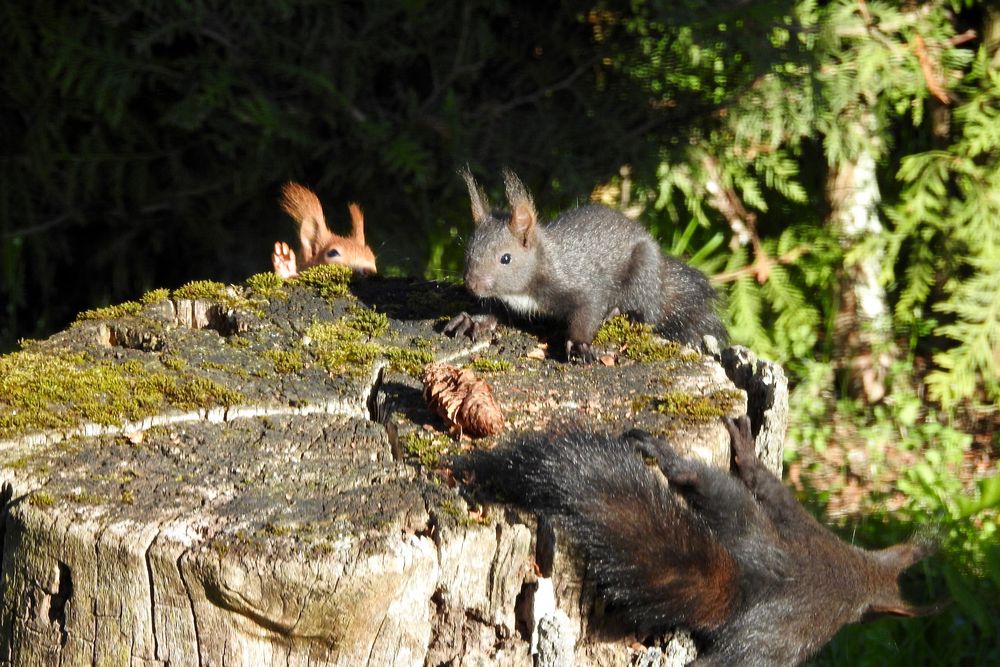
301, 519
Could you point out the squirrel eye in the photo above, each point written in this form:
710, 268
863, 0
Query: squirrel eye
333, 253
505, 259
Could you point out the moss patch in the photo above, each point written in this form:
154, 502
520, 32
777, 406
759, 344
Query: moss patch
43, 391
407, 360
346, 346
428, 450
491, 365
635, 341
268, 286
202, 289
700, 408
42, 499
286, 361
339, 349
329, 280
209, 290
127, 309
155, 296
238, 342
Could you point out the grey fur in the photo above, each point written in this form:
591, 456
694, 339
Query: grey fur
578, 269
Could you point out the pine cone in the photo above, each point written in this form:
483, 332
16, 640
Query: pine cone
465, 402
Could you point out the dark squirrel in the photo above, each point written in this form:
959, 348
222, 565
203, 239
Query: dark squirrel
733, 558
587, 264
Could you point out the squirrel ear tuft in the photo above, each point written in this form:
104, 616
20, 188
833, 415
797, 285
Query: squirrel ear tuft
480, 205
522, 209
357, 223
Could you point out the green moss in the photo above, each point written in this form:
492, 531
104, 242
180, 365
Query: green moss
700, 408
357, 324
41, 499
86, 498
640, 403
174, 363
491, 365
127, 309
367, 321
199, 392
18, 464
268, 286
286, 361
409, 361
329, 280
350, 357
202, 289
635, 341
41, 391
227, 297
428, 450
132, 366
238, 342
343, 347
155, 296
213, 365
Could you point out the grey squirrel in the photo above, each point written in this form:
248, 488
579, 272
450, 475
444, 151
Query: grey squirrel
732, 557
587, 264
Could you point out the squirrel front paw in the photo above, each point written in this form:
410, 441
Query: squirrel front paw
472, 326
678, 471
585, 352
283, 260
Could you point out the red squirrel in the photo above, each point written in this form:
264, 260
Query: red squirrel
734, 558
587, 264
318, 245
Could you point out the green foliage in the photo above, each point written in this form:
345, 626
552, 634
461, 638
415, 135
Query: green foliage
947, 225
916, 467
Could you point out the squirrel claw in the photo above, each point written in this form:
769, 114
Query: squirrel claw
472, 326
585, 352
741, 440
283, 260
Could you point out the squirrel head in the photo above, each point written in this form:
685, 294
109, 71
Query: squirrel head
502, 256
318, 245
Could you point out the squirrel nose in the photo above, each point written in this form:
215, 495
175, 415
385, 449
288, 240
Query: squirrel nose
477, 284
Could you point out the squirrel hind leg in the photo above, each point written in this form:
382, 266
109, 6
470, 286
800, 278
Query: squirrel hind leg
742, 443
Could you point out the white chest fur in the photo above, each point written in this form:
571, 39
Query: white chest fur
521, 304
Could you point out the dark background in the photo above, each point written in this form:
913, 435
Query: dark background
144, 143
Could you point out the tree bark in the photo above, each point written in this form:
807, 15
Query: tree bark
308, 522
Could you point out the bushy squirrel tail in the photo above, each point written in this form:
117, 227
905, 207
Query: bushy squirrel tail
650, 558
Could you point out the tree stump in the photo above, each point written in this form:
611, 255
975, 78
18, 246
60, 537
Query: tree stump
249, 475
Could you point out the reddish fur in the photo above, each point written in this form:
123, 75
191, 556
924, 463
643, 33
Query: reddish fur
316, 239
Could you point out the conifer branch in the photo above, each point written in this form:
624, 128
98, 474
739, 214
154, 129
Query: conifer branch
927, 67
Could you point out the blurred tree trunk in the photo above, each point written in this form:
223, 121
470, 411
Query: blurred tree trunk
863, 329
